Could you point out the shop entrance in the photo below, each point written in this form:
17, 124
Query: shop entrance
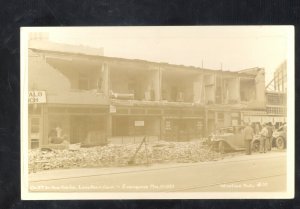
88, 130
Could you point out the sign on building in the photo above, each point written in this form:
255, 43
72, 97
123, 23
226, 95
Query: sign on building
112, 109
36, 97
139, 123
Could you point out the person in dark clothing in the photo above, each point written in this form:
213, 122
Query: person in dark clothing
55, 135
248, 137
269, 136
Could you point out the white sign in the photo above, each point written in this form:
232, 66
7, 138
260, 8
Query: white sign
36, 97
112, 109
139, 123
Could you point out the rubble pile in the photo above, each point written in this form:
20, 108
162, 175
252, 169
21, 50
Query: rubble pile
113, 155
183, 152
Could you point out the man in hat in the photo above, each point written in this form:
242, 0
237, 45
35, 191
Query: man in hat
269, 136
263, 135
248, 137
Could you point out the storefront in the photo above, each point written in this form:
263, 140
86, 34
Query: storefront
218, 118
85, 124
182, 128
129, 124
160, 123
182, 124
135, 125
263, 117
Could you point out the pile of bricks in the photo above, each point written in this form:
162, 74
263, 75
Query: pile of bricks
119, 155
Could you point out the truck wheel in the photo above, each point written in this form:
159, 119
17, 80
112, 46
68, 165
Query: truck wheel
255, 146
280, 143
221, 147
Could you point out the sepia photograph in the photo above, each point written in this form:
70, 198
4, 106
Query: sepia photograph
165, 112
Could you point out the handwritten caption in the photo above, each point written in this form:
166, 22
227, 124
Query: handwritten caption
245, 185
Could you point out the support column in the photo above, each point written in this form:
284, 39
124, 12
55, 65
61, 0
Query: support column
197, 89
205, 123
159, 84
162, 128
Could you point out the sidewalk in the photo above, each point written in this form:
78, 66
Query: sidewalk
85, 172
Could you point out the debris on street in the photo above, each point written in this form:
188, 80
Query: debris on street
113, 155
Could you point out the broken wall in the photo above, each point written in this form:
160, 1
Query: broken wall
81, 74
42, 76
198, 90
260, 87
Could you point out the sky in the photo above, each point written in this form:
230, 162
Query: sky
224, 47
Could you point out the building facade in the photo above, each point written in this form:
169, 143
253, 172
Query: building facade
93, 98
280, 78
276, 100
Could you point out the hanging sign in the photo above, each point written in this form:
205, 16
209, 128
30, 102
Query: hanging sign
112, 109
139, 123
36, 97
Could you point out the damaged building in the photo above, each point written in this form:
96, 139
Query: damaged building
93, 99
276, 100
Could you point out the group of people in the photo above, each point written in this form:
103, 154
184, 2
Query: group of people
265, 131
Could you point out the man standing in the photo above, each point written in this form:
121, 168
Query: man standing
269, 136
257, 128
248, 137
263, 136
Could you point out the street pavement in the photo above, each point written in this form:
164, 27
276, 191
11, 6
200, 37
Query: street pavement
243, 173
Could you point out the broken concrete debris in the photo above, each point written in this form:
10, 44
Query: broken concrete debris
113, 155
